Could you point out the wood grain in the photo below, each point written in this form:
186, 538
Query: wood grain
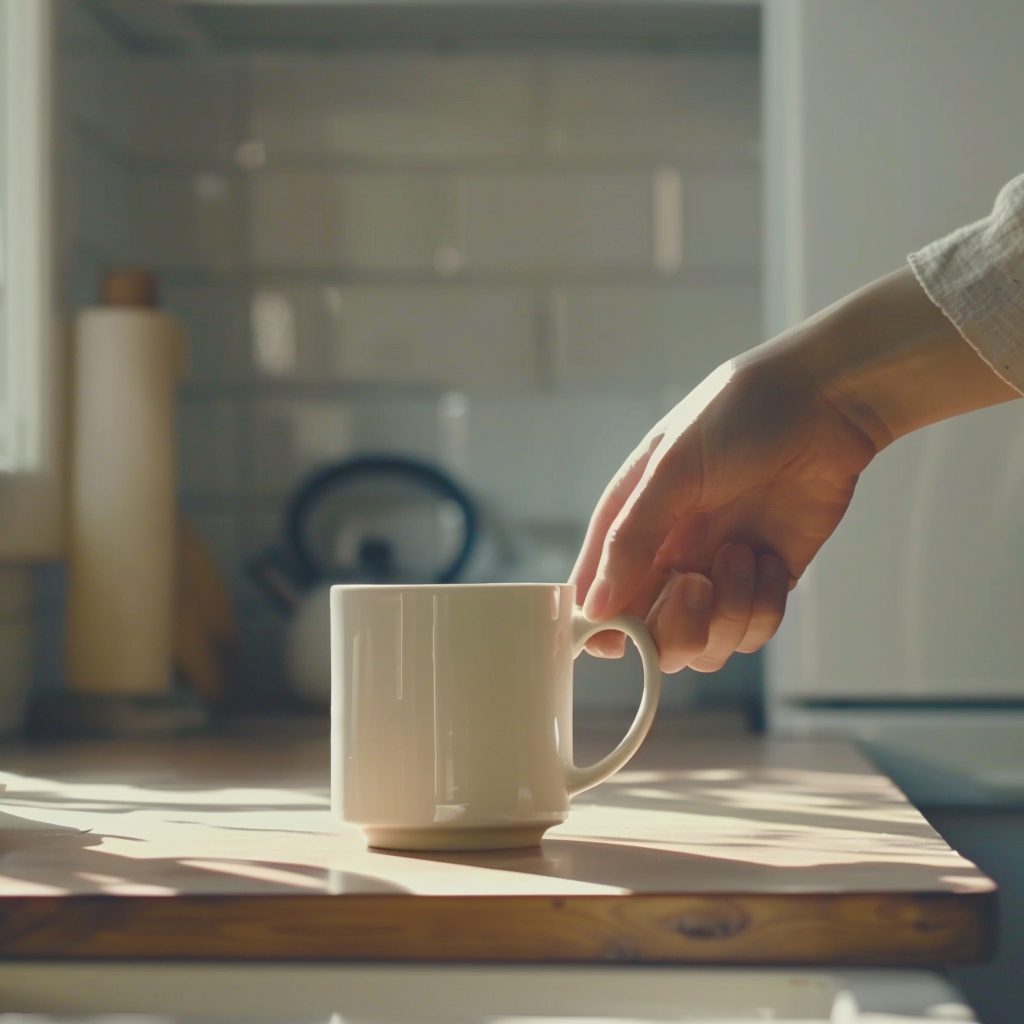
866, 929
703, 851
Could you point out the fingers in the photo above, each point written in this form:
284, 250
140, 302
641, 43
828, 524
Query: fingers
680, 620
734, 581
700, 622
609, 644
769, 603
668, 489
668, 486
609, 506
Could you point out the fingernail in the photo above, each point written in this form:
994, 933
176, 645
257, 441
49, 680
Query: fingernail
696, 591
597, 599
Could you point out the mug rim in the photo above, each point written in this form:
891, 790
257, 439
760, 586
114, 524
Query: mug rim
377, 587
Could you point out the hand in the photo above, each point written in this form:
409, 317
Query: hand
717, 513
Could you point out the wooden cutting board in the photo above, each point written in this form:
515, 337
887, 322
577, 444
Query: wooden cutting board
711, 850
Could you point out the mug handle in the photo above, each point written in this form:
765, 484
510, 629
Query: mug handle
583, 629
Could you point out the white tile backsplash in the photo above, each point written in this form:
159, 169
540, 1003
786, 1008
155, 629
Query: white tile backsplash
477, 223
558, 221
601, 433
408, 105
667, 106
455, 336
509, 222
94, 76
722, 219
548, 457
447, 336
80, 35
98, 93
102, 194
186, 220
216, 319
85, 270
399, 426
293, 331
208, 448
651, 336
184, 108
291, 439
320, 219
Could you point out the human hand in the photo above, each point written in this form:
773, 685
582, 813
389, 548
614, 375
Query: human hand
718, 511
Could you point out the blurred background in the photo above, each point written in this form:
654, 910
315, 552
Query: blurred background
486, 245
502, 239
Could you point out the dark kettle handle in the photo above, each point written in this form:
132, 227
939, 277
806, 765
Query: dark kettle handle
364, 467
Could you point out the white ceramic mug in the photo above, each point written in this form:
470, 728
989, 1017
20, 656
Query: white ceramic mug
451, 711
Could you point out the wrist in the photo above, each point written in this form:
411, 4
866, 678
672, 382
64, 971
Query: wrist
889, 360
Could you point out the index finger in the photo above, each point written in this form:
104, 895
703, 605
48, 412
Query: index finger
668, 487
610, 504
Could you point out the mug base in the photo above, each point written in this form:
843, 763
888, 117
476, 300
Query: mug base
441, 839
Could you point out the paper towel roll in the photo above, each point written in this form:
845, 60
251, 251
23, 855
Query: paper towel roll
123, 506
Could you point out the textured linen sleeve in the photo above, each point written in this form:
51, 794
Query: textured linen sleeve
975, 277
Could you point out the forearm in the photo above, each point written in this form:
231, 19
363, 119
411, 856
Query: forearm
889, 359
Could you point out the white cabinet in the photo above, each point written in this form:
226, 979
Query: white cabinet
29, 477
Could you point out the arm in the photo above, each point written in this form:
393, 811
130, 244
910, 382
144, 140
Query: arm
890, 360
717, 513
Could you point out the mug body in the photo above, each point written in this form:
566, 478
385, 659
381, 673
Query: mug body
451, 712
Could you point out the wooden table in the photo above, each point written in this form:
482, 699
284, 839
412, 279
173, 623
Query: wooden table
705, 850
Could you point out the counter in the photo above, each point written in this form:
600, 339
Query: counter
705, 850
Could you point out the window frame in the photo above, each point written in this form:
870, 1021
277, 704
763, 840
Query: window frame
30, 473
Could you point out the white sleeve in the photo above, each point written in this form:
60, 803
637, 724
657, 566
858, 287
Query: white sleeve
976, 277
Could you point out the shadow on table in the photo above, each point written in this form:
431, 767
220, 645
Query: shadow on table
35, 858
641, 868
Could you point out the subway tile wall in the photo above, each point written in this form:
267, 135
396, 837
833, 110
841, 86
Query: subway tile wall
509, 263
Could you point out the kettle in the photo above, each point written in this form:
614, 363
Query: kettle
370, 519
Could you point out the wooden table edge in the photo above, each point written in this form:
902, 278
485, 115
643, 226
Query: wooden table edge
922, 929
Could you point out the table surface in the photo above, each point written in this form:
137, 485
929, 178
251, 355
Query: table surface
704, 850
